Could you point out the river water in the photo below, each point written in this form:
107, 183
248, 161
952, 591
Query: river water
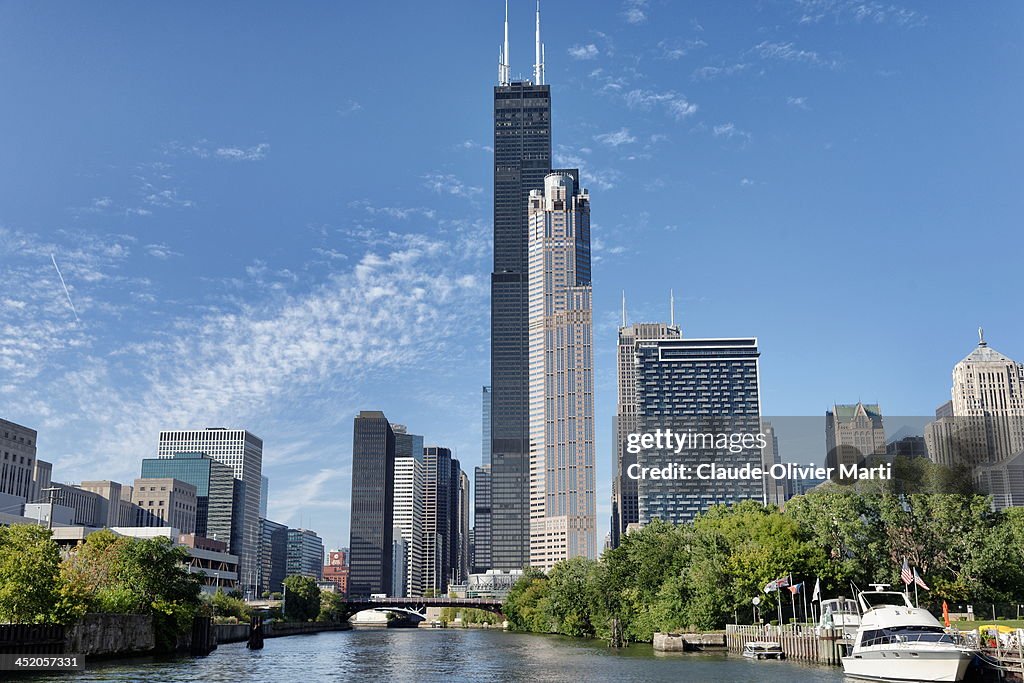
447, 655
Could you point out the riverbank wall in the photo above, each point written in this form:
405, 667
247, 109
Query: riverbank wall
688, 642
236, 633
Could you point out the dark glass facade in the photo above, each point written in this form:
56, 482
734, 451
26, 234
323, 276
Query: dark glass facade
522, 157
699, 386
371, 532
273, 556
220, 498
440, 514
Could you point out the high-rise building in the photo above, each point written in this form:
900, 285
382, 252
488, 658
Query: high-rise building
336, 570
220, 499
18, 453
305, 554
166, 502
463, 564
625, 508
853, 433
776, 491
264, 495
482, 493
522, 158
482, 519
243, 452
563, 521
408, 524
273, 557
982, 426
701, 386
372, 504
439, 509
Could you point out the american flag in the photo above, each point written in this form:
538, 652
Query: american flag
776, 584
919, 581
905, 574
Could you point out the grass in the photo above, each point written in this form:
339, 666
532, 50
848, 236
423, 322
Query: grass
971, 625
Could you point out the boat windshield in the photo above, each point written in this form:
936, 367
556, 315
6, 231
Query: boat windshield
840, 606
879, 598
906, 634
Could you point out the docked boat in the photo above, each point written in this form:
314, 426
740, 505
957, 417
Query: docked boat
899, 642
763, 649
841, 614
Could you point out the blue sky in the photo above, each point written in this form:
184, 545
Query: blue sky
274, 217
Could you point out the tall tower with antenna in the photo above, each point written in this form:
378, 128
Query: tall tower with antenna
522, 158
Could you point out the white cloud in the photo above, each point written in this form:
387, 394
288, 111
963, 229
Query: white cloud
350, 107
675, 104
729, 131
446, 183
797, 102
708, 73
588, 51
161, 251
675, 49
788, 52
635, 11
239, 154
616, 138
859, 11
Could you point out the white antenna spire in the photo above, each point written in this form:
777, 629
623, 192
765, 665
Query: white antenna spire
672, 307
538, 65
504, 68
623, 308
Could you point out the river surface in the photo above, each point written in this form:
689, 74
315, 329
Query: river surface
447, 655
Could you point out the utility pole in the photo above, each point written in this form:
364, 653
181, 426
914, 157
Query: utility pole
52, 495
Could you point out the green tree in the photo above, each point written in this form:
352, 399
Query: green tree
32, 589
301, 598
225, 605
332, 608
525, 605
568, 606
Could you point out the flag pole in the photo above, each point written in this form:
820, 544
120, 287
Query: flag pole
792, 597
803, 592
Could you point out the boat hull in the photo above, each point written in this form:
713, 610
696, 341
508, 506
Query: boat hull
903, 665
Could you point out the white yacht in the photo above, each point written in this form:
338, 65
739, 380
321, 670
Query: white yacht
899, 642
840, 613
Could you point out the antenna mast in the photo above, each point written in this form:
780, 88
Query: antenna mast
504, 70
672, 307
538, 65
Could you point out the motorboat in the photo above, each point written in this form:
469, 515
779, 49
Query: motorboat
899, 642
840, 614
763, 649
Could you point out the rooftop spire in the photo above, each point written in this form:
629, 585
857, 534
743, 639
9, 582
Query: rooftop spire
504, 70
672, 307
981, 337
538, 65
623, 308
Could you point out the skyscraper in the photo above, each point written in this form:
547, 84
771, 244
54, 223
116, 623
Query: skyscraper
438, 511
625, 509
522, 158
17, 454
482, 495
702, 386
408, 524
563, 521
243, 452
305, 554
853, 433
273, 556
372, 504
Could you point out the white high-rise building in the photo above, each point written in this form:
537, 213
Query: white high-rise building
563, 516
408, 524
243, 452
982, 426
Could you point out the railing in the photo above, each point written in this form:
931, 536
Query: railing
31, 639
800, 642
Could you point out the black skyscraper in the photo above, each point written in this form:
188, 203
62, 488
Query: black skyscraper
373, 477
522, 157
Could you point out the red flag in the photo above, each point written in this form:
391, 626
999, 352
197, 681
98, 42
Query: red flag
905, 575
945, 613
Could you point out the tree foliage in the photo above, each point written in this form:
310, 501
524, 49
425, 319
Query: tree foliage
32, 589
301, 598
702, 575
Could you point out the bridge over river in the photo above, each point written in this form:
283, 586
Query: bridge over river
420, 605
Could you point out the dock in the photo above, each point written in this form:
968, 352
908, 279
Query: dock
800, 642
